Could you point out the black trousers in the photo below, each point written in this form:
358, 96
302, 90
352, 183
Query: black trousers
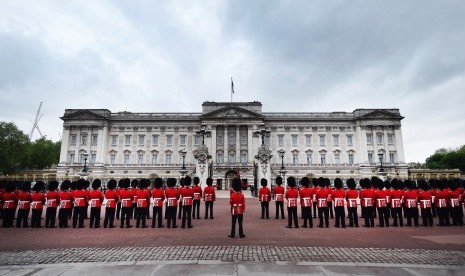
443, 216
186, 216
134, 210
157, 216
125, 216
292, 216
265, 209
109, 217
353, 216
412, 213
22, 217
307, 216
367, 213
457, 216
171, 216
397, 215
340, 216
63, 216
330, 207
238, 218
36, 217
196, 208
279, 207
180, 209
427, 216
50, 216
95, 216
118, 210
383, 216
434, 210
141, 216
8, 217
314, 209
323, 212
209, 207
79, 213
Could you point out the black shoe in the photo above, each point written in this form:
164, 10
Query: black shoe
379, 225
190, 226
343, 226
287, 226
53, 226
337, 226
81, 226
320, 226
137, 226
242, 236
183, 227
231, 236
111, 226
175, 226
304, 226
162, 226
367, 226
327, 226
128, 226
144, 226
97, 226
297, 226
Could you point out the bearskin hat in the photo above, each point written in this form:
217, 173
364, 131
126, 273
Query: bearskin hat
52, 185
127, 183
25, 186
73, 185
111, 184
321, 182
291, 181
182, 182
351, 183
10, 186
158, 182
187, 181
367, 183
134, 183
279, 180
236, 184
387, 184
171, 182
196, 180
97, 183
305, 181
209, 181
65, 185
2, 184
142, 183
39, 186
263, 182
338, 183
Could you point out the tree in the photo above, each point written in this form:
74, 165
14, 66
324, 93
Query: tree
14, 145
44, 153
447, 159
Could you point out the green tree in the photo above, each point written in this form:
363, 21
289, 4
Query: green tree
447, 159
14, 147
44, 153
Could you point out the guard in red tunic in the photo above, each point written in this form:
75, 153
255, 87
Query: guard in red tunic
65, 199
352, 205
197, 196
9, 199
330, 197
442, 199
180, 189
37, 204
2, 191
158, 196
209, 196
322, 198
24, 204
237, 202
172, 196
118, 204
454, 201
143, 200
424, 197
278, 192
381, 201
338, 196
366, 197
80, 200
52, 204
411, 201
434, 190
264, 195
95, 201
397, 198
134, 189
187, 194
126, 197
305, 195
112, 198
291, 195
314, 201
73, 188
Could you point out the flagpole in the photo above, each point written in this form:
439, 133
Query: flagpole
232, 89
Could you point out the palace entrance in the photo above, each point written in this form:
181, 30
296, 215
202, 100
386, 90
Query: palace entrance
230, 175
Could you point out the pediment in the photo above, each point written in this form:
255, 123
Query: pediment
82, 115
231, 112
381, 114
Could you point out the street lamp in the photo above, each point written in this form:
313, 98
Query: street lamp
183, 154
263, 132
85, 162
380, 155
203, 132
281, 153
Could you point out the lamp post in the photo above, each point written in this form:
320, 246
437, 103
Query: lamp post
85, 163
263, 132
183, 154
381, 169
203, 132
281, 153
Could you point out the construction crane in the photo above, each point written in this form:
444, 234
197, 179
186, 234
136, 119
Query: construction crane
35, 124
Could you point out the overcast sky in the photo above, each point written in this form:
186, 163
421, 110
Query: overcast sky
168, 56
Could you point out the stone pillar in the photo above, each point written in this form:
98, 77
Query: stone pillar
201, 165
64, 145
263, 160
399, 146
250, 147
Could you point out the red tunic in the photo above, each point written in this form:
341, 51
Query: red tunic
424, 197
24, 200
351, 197
237, 202
197, 192
80, 198
126, 197
366, 197
380, 198
95, 198
9, 200
112, 197
172, 196
134, 194
305, 195
143, 198
410, 199
209, 193
37, 200
322, 197
291, 196
187, 194
454, 198
158, 196
442, 198
338, 196
264, 194
52, 199
65, 199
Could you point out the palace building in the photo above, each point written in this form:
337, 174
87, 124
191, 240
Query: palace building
148, 145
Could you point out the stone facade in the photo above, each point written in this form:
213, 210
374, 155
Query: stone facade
136, 145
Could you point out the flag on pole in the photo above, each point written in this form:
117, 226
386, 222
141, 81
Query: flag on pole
232, 86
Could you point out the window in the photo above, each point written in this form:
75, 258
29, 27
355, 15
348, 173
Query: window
94, 139
281, 140
308, 140
243, 158
337, 158
392, 157
114, 140
322, 140
267, 140
219, 139
154, 139
219, 158
370, 157
81, 158
71, 157
182, 140
154, 158
232, 157
113, 158
243, 139
126, 158
351, 158
84, 139
295, 158
168, 158
379, 138
309, 158
169, 140
369, 139
73, 140
390, 138
294, 140
232, 138
127, 140
141, 140
336, 140
349, 141
140, 159
197, 140
93, 158
323, 158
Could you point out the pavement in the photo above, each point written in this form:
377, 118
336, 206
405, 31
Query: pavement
205, 249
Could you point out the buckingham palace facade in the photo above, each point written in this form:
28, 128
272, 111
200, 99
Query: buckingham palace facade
147, 145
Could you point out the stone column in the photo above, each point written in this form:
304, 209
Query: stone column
64, 145
201, 165
399, 146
